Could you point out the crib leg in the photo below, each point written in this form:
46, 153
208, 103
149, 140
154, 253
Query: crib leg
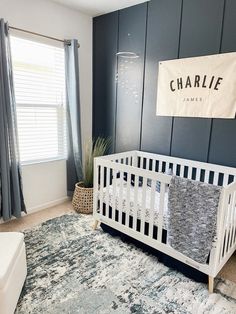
95, 224
210, 284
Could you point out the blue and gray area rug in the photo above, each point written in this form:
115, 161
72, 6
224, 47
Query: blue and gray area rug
73, 269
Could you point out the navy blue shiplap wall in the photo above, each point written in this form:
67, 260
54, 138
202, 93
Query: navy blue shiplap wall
124, 105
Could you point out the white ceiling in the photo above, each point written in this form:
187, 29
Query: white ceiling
98, 7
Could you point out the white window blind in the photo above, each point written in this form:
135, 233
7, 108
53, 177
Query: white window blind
39, 80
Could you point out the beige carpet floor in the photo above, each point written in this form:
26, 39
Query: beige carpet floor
31, 220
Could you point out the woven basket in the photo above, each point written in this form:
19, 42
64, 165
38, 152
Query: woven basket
83, 199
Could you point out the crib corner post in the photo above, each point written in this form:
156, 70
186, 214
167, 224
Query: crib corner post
210, 284
95, 224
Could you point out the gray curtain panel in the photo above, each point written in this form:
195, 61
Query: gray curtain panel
12, 202
74, 161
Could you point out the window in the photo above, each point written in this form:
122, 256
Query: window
39, 80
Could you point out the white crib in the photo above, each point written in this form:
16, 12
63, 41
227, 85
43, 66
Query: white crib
132, 209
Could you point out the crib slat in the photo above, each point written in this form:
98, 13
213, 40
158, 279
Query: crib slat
226, 220
127, 209
222, 246
226, 242
198, 174
141, 162
120, 203
216, 178
101, 189
152, 203
107, 190
206, 176
135, 210
232, 217
234, 232
153, 165
114, 184
190, 170
228, 227
181, 171
144, 207
147, 163
167, 167
234, 221
226, 179
160, 212
174, 169
96, 188
160, 166
130, 161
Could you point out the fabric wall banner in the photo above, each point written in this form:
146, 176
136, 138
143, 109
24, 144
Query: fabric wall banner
202, 87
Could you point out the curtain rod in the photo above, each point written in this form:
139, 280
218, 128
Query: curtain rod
37, 34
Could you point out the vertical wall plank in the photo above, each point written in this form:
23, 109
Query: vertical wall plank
162, 44
223, 141
132, 33
200, 35
105, 38
229, 38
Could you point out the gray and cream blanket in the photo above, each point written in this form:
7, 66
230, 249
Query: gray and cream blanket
192, 216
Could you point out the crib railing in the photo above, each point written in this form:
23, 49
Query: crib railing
199, 171
196, 170
121, 171
226, 244
110, 173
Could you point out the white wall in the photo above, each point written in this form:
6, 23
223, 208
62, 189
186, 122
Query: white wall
46, 183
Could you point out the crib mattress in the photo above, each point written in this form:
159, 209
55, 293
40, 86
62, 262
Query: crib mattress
121, 196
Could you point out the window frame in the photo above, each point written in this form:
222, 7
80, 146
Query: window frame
61, 116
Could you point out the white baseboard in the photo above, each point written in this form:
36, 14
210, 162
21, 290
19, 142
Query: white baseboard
42, 207
47, 205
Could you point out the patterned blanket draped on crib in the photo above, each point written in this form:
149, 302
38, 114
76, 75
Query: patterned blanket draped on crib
192, 215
